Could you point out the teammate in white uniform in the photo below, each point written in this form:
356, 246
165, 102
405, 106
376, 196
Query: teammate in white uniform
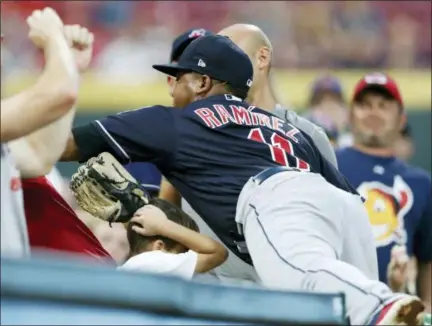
51, 97
158, 236
257, 46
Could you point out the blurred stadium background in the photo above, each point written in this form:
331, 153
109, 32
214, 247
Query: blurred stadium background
347, 38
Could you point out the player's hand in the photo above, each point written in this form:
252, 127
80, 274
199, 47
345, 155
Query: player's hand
148, 220
81, 42
397, 270
44, 25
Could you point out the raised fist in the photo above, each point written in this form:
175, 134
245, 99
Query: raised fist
43, 25
397, 270
81, 42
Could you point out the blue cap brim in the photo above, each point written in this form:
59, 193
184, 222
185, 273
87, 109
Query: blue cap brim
171, 69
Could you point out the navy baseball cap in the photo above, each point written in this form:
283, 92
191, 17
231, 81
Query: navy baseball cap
326, 84
217, 57
183, 40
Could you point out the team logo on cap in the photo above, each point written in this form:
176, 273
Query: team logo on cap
249, 83
201, 63
197, 33
376, 78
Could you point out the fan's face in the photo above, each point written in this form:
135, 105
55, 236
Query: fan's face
376, 120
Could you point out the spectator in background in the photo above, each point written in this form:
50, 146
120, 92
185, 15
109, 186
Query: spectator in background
327, 125
403, 39
129, 57
312, 32
398, 196
359, 39
327, 106
113, 14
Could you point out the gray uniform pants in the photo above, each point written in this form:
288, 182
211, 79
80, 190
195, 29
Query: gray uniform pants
305, 234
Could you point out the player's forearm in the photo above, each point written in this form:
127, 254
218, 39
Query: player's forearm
71, 151
169, 193
54, 94
424, 286
45, 146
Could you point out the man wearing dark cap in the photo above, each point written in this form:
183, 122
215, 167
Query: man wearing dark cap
398, 195
260, 183
147, 174
327, 106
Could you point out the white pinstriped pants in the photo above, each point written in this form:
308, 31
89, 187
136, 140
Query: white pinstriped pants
305, 234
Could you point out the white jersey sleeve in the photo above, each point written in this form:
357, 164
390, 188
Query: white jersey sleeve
317, 134
182, 265
14, 236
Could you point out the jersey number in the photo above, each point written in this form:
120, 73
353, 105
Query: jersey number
279, 148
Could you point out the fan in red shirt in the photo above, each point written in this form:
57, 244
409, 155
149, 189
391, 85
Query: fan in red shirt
53, 224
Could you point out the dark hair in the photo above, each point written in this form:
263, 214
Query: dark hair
137, 242
237, 92
376, 90
318, 96
406, 131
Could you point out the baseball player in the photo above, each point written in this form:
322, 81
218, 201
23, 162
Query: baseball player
257, 46
259, 182
160, 235
146, 173
398, 195
23, 120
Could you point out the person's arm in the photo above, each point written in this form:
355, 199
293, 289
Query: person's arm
169, 193
54, 93
46, 145
211, 253
143, 135
397, 269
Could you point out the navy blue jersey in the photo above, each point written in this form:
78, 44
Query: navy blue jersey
399, 203
209, 150
147, 175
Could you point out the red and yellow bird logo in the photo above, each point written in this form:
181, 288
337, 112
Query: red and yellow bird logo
387, 208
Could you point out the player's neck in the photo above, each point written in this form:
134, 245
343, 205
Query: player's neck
380, 152
263, 98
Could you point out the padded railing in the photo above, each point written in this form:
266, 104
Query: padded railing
49, 291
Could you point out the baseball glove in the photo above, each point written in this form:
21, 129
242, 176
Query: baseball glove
103, 188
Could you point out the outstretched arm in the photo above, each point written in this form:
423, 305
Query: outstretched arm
47, 144
142, 135
56, 90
